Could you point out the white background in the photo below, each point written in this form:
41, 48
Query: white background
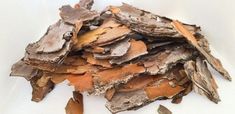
25, 21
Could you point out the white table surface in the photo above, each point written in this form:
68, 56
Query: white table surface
25, 21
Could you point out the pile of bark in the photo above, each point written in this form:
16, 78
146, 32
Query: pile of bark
129, 55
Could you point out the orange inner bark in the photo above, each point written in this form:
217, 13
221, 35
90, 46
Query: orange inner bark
107, 76
81, 82
163, 89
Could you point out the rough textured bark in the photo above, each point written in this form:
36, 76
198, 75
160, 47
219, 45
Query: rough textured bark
115, 50
41, 86
137, 48
164, 60
151, 89
203, 82
21, 69
109, 78
86, 3
215, 63
109, 32
147, 23
52, 48
73, 15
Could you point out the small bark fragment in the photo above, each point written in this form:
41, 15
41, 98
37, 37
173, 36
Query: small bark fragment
51, 49
75, 104
57, 78
163, 110
215, 63
86, 3
109, 94
124, 101
203, 82
41, 87
113, 34
118, 49
162, 89
20, 68
137, 48
73, 15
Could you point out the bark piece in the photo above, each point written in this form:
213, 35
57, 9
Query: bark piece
87, 38
109, 78
86, 3
57, 78
55, 38
203, 82
215, 63
109, 94
143, 92
118, 49
109, 32
164, 60
74, 60
73, 15
81, 82
52, 48
20, 68
41, 87
137, 48
126, 101
163, 110
163, 88
75, 104
158, 44
178, 98
113, 34
92, 60
138, 83
75, 65
147, 23
203, 42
